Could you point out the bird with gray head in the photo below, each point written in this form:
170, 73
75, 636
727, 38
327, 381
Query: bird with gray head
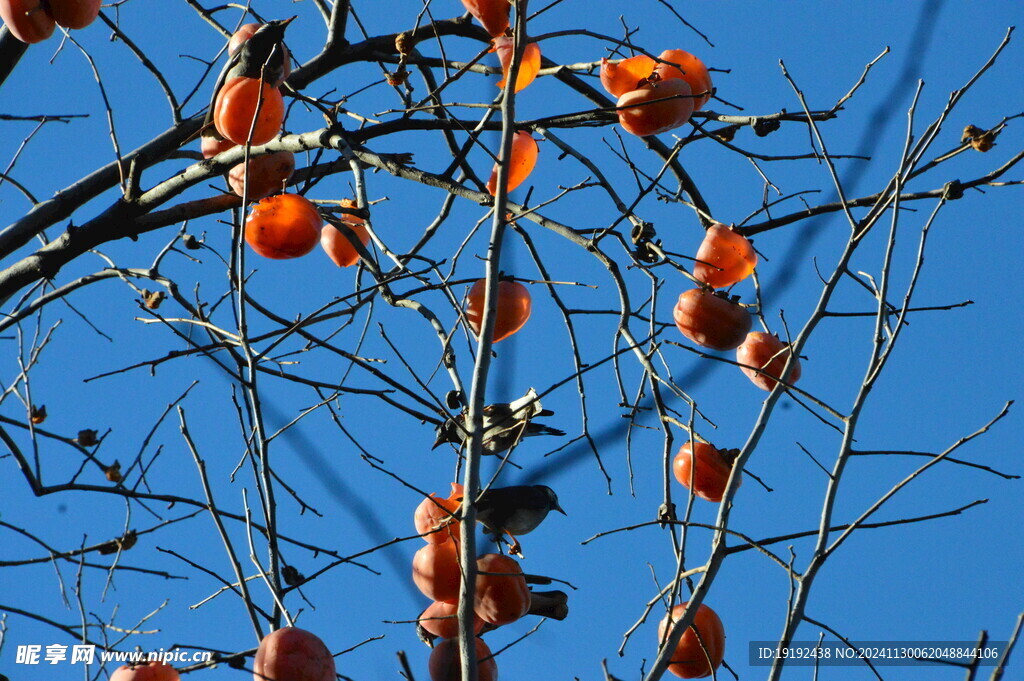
505, 425
263, 55
515, 510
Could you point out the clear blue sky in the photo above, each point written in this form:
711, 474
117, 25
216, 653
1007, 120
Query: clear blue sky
951, 373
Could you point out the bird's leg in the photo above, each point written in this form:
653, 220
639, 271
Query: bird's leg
514, 547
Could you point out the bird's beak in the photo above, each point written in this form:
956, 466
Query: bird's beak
558, 508
285, 22
438, 442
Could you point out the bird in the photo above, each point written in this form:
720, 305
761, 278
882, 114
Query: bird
515, 510
505, 425
263, 55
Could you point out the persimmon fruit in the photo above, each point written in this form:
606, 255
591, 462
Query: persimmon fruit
236, 106
27, 20
441, 619
211, 145
711, 320
492, 14
283, 226
436, 573
711, 472
627, 75
528, 67
267, 174
74, 13
502, 595
153, 671
513, 308
724, 258
521, 162
336, 245
435, 512
445, 662
683, 65
690, 659
293, 654
762, 354
657, 107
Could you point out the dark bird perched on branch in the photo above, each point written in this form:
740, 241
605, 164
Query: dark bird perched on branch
262, 56
515, 510
505, 425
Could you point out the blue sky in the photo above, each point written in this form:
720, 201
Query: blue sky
951, 373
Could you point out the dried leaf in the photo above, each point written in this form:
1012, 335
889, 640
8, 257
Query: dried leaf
113, 472
37, 414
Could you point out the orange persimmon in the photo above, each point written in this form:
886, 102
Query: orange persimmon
528, 68
513, 308
441, 619
627, 75
435, 512
762, 354
712, 470
294, 654
436, 571
445, 662
492, 14
27, 20
336, 245
236, 107
691, 659
283, 226
267, 174
521, 163
683, 65
724, 258
502, 595
656, 107
74, 13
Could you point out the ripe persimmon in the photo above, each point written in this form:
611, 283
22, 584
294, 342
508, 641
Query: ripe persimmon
492, 14
502, 595
528, 68
711, 320
436, 572
211, 145
627, 75
656, 107
435, 512
681, 64
294, 654
441, 619
762, 354
336, 245
152, 671
512, 310
74, 13
711, 473
236, 107
267, 174
521, 162
244, 32
724, 258
445, 662
695, 658
27, 20
283, 226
